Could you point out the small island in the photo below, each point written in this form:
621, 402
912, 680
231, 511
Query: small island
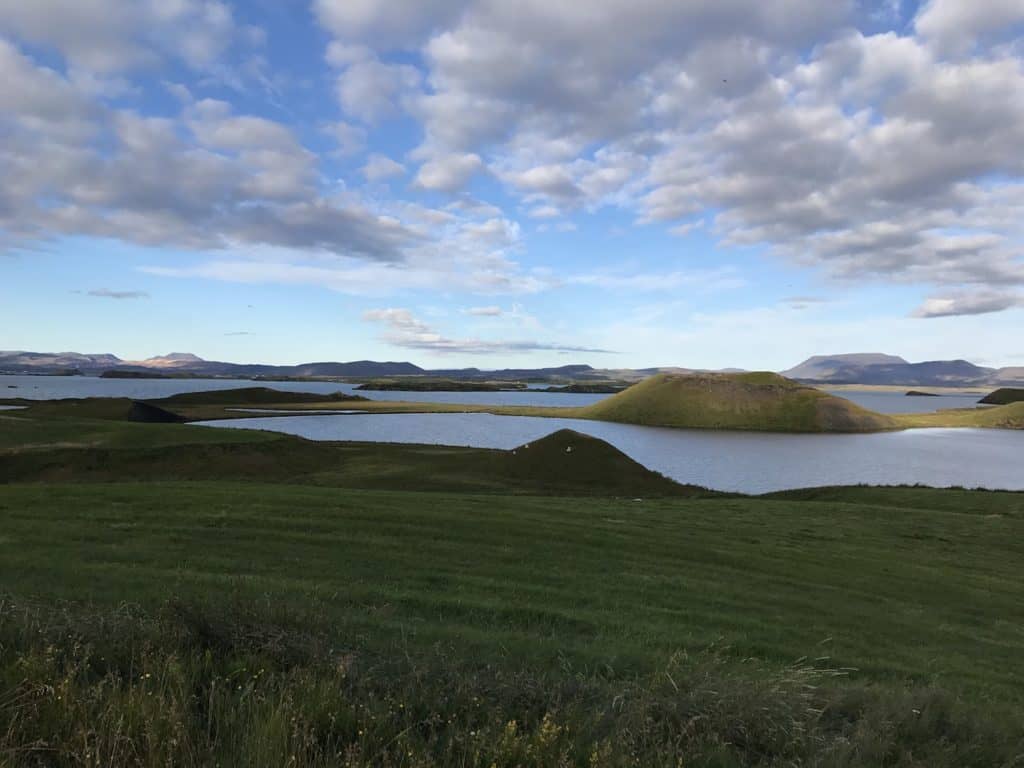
437, 385
919, 393
592, 388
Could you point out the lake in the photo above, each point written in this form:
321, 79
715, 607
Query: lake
57, 387
749, 462
54, 387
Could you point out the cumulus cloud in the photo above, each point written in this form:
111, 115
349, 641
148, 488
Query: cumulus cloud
888, 156
406, 331
381, 168
210, 179
956, 26
979, 303
448, 173
107, 36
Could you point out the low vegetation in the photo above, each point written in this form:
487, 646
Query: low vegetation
1000, 417
1003, 396
590, 388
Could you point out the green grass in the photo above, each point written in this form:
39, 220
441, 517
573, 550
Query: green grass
999, 417
198, 687
190, 623
1003, 396
901, 594
20, 434
182, 595
149, 452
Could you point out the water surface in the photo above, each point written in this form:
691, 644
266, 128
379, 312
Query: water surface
750, 462
58, 387
54, 387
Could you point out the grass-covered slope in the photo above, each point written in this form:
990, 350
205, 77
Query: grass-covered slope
95, 450
1003, 396
745, 401
998, 417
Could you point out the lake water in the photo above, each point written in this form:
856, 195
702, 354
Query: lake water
54, 387
898, 402
749, 462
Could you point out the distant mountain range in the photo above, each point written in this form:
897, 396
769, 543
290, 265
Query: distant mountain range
875, 368
869, 368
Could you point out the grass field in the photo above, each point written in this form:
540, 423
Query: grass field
180, 595
490, 609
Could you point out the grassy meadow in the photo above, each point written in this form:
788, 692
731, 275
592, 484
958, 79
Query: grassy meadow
180, 595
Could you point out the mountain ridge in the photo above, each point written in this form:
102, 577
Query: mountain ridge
868, 368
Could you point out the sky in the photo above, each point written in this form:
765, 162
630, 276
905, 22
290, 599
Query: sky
489, 183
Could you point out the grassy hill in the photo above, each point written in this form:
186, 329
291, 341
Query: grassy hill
1003, 396
754, 401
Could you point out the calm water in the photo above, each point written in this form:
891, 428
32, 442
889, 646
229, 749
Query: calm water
898, 402
56, 387
750, 462
52, 387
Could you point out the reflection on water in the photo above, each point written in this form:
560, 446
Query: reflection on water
750, 462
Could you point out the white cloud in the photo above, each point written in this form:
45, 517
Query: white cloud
369, 89
979, 303
381, 168
108, 36
956, 26
410, 333
448, 173
491, 311
395, 23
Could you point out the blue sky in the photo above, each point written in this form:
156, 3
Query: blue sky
488, 183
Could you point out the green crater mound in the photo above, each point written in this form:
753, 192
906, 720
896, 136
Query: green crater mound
742, 401
567, 457
1003, 396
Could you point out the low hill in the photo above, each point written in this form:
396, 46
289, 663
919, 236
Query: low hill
569, 458
433, 385
595, 388
744, 401
1003, 396
254, 396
